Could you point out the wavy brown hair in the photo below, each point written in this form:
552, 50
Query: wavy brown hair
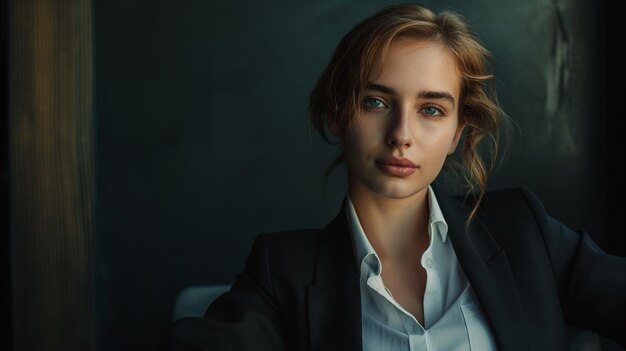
338, 94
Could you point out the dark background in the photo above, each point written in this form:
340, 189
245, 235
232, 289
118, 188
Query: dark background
202, 137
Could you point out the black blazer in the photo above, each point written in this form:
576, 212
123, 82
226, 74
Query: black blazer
540, 284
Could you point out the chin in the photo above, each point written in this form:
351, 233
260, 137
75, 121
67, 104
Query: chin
394, 188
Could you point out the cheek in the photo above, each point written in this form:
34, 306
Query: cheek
355, 149
438, 146
362, 138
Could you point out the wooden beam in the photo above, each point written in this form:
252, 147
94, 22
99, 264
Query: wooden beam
52, 181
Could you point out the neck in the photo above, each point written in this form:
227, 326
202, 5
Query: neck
395, 227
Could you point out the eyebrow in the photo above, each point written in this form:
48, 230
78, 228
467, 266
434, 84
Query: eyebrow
436, 95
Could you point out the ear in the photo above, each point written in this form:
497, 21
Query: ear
334, 128
456, 139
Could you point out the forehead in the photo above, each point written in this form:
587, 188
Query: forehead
412, 65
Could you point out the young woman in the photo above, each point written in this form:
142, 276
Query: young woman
405, 266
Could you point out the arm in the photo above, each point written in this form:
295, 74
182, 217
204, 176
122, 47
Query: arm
592, 283
245, 318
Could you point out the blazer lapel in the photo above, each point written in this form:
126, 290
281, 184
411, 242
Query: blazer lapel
487, 268
334, 299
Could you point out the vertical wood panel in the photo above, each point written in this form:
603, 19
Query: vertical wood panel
51, 173
6, 335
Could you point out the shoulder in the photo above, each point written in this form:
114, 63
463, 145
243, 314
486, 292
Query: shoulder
287, 246
278, 255
516, 206
296, 254
303, 243
291, 240
517, 218
516, 197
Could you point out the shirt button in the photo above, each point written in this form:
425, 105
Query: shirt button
429, 262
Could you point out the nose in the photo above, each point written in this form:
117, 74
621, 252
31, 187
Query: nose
399, 133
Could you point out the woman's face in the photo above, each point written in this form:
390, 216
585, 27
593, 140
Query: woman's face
409, 121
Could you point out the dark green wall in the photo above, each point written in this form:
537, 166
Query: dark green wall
203, 142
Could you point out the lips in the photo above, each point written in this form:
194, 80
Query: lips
396, 167
394, 161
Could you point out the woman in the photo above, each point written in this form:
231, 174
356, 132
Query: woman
404, 266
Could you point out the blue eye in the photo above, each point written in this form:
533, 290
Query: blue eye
433, 111
374, 103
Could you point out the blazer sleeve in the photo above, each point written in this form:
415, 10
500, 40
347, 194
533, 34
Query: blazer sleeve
591, 283
245, 318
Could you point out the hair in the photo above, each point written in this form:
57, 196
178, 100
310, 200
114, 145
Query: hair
337, 96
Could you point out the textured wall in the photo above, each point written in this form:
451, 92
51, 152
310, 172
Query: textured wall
203, 140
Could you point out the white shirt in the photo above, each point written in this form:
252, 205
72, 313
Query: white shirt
453, 319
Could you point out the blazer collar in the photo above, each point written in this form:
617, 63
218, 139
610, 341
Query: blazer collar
487, 268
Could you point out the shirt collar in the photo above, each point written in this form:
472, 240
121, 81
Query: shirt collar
437, 222
362, 246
